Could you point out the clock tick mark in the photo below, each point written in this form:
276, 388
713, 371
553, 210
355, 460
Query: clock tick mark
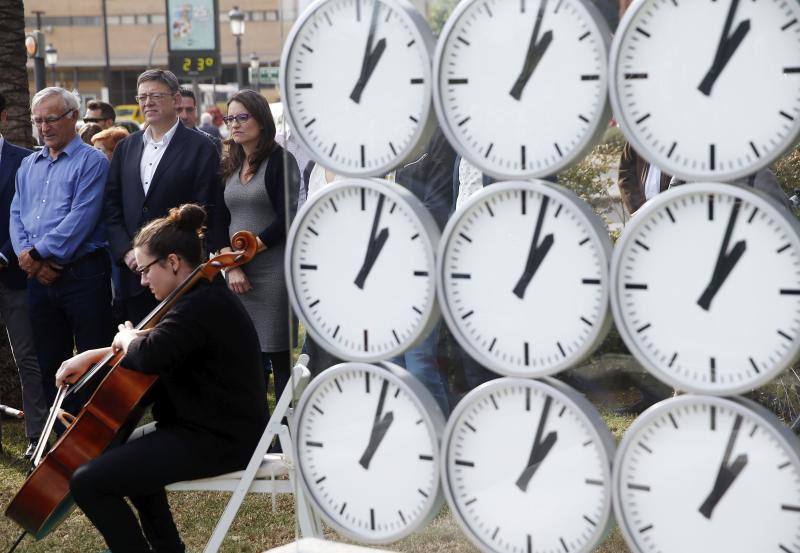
754, 365
583, 118
410, 43
330, 153
783, 248
422, 492
426, 457
790, 70
301, 86
593, 77
338, 386
310, 123
563, 410
642, 32
784, 465
713, 420
396, 337
670, 215
645, 528
457, 81
782, 333
494, 402
414, 237
468, 425
564, 544
304, 267
642, 245
421, 273
372, 519
672, 360
314, 444
414, 119
643, 118
402, 518
793, 508
635, 76
712, 366
582, 242
344, 505
489, 149
643, 328
584, 35
673, 421
755, 150
318, 410
789, 24
466, 276
461, 463
672, 149
527, 353
592, 482
320, 480
464, 121
786, 115
366, 381
416, 309
463, 40
590, 281
496, 530
587, 321
590, 521
465, 237
752, 215
558, 149
491, 346
312, 304
561, 349
467, 315
639, 487
643, 446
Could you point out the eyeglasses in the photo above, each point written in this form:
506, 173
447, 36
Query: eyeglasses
93, 119
155, 96
146, 269
38, 121
189, 109
241, 118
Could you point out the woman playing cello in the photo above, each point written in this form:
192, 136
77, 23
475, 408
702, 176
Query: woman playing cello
210, 406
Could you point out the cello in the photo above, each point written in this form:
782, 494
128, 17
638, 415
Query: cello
108, 417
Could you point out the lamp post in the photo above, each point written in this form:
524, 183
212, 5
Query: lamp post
254, 65
236, 17
51, 59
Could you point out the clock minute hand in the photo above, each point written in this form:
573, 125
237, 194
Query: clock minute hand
540, 450
380, 426
371, 57
726, 474
374, 245
726, 261
536, 253
728, 44
536, 50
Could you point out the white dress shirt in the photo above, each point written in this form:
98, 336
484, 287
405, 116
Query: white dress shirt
152, 154
652, 186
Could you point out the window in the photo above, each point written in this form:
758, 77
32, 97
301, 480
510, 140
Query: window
271, 15
127, 20
85, 20
143, 19
257, 16
157, 18
112, 20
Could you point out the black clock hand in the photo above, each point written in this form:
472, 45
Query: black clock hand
726, 261
379, 427
539, 450
536, 50
536, 254
374, 245
728, 44
727, 472
371, 57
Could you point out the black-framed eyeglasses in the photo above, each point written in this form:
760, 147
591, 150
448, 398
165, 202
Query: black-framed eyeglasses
38, 121
93, 119
155, 96
240, 118
146, 268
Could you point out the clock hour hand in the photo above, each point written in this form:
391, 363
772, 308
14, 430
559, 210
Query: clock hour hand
371, 56
727, 472
374, 246
536, 50
726, 261
728, 44
379, 428
536, 253
539, 450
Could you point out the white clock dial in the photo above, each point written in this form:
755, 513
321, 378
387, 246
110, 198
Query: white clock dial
521, 85
718, 100
706, 288
356, 82
523, 278
367, 448
695, 474
360, 268
527, 468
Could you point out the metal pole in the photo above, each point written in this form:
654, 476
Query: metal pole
153, 42
105, 41
239, 62
38, 62
53, 67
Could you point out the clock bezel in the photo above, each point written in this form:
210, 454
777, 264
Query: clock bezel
566, 395
598, 234
426, 125
740, 405
629, 234
643, 149
434, 422
429, 232
591, 137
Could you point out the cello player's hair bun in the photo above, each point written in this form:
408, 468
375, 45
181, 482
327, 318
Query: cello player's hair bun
188, 217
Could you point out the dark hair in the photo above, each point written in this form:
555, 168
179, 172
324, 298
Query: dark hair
106, 110
188, 93
162, 76
180, 232
234, 156
88, 131
2, 102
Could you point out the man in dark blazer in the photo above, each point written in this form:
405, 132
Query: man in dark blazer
13, 297
152, 171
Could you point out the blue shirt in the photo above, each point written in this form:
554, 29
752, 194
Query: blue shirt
58, 203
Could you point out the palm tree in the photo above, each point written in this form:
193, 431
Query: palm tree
14, 82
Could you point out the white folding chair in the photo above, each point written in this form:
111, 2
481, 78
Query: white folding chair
271, 473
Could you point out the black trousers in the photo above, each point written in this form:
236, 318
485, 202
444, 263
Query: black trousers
139, 470
280, 363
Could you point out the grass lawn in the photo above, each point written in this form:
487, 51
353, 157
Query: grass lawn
256, 527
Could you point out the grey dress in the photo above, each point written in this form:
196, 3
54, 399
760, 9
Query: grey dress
267, 303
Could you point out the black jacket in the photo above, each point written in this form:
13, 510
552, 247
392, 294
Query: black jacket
187, 173
205, 351
10, 158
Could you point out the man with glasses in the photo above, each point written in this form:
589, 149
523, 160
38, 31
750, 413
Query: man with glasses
60, 239
162, 167
100, 113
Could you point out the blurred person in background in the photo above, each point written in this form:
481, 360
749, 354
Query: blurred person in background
88, 131
106, 141
100, 113
207, 125
187, 113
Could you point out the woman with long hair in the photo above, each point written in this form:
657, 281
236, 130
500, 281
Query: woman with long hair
210, 408
257, 174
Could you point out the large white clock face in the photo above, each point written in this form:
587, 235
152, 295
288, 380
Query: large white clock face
367, 447
523, 278
521, 84
356, 82
696, 474
708, 90
527, 468
706, 288
360, 268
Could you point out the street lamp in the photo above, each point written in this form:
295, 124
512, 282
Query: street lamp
237, 29
51, 59
254, 63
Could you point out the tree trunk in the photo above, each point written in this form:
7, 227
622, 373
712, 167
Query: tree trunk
14, 82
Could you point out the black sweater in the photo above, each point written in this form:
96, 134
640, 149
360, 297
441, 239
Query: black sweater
206, 354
